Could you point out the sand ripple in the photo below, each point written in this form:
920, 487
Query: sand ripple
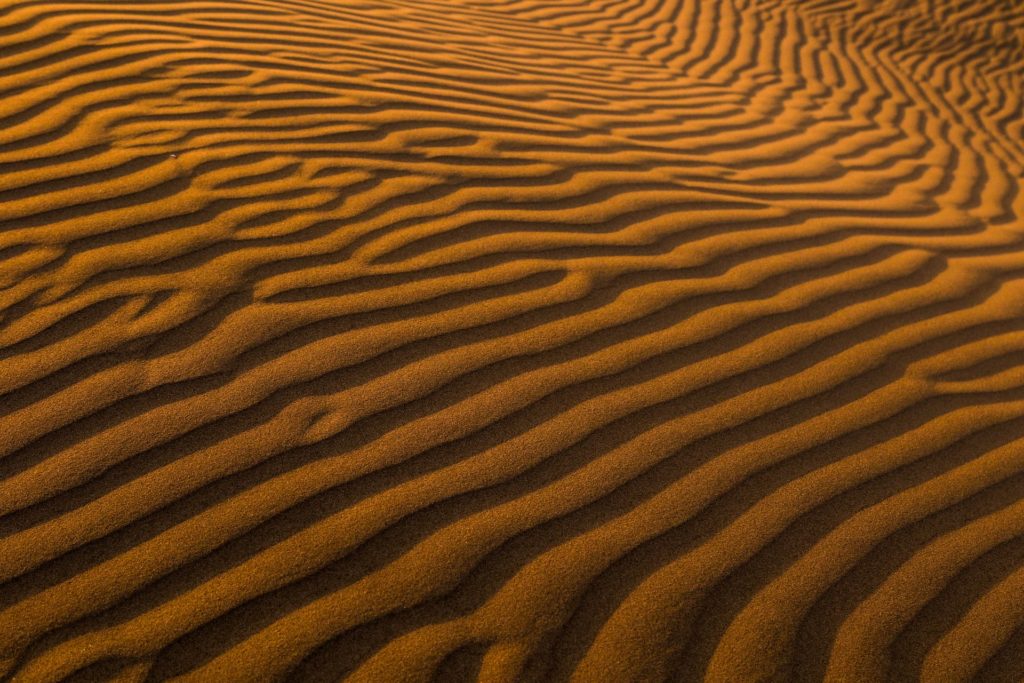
603, 340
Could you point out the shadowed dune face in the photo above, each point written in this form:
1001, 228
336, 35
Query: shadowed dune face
509, 340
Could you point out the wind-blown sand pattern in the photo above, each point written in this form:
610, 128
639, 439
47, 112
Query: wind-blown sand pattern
512, 340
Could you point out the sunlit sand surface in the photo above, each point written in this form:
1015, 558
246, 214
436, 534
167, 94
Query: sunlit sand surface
512, 340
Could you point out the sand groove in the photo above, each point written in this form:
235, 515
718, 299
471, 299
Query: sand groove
595, 340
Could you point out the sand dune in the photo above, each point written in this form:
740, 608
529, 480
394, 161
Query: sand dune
512, 340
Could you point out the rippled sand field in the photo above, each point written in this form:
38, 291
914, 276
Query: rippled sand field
512, 340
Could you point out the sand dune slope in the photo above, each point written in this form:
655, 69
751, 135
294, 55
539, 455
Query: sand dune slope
512, 340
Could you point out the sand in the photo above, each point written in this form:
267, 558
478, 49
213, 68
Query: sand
512, 340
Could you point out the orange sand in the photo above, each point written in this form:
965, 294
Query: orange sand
512, 340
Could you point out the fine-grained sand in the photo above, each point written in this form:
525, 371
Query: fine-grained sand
512, 340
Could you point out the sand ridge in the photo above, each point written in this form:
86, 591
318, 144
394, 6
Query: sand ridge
502, 340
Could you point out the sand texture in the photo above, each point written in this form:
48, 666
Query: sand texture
512, 340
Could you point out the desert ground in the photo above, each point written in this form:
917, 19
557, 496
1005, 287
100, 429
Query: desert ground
512, 340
